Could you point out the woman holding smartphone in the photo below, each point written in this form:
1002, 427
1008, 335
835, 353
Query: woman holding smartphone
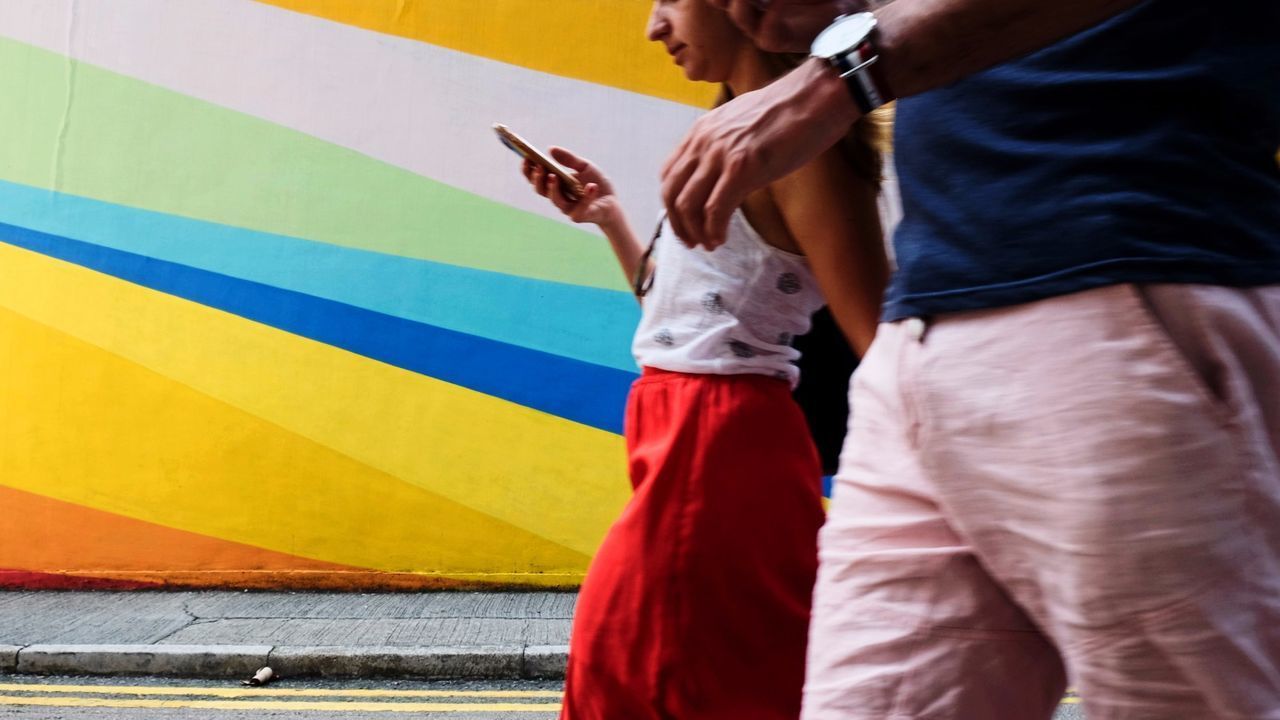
697, 604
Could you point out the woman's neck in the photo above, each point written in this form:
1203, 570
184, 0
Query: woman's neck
750, 72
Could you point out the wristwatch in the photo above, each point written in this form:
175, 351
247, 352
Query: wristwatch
848, 46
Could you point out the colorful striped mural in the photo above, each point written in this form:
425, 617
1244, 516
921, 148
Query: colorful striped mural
278, 311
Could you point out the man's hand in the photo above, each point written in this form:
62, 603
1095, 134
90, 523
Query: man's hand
785, 25
748, 143
764, 135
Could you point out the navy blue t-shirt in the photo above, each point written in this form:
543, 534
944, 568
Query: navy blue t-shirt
1141, 150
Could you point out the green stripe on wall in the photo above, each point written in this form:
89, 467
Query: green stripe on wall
78, 129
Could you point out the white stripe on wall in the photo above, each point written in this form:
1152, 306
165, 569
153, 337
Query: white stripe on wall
417, 106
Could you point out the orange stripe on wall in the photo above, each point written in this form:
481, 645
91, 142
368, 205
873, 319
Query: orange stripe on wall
51, 544
44, 534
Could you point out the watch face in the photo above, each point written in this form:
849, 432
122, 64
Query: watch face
846, 34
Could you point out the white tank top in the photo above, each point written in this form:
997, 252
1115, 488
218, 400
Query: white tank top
730, 311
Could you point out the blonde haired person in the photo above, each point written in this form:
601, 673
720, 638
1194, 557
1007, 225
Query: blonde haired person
697, 604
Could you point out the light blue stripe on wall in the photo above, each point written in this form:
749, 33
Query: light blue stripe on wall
585, 324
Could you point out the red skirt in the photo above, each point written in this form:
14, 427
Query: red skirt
697, 603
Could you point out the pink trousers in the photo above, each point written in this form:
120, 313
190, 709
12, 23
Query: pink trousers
1084, 489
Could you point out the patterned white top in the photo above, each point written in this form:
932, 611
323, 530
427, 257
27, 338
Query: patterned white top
730, 311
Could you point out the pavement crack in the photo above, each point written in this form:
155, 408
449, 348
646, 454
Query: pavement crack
192, 621
166, 636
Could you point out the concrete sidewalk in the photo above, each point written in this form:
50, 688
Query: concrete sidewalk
231, 634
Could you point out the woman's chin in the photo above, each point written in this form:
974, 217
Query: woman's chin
692, 74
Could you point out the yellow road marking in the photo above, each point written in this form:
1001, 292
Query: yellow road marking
1070, 699
276, 692
406, 707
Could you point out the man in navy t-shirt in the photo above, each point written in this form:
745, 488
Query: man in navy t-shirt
1065, 452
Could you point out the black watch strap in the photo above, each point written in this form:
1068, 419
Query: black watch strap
855, 68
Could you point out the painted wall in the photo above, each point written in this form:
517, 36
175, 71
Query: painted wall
277, 310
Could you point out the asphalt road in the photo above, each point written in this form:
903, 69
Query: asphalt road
167, 699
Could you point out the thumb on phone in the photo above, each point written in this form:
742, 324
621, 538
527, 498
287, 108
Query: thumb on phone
568, 159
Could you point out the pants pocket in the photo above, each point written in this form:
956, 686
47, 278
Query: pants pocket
1176, 325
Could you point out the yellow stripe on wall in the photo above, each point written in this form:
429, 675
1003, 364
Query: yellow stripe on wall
97, 430
600, 41
558, 480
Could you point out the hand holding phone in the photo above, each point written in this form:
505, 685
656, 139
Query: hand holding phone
569, 184
580, 190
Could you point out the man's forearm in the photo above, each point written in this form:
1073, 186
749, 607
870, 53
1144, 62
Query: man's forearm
767, 134
925, 44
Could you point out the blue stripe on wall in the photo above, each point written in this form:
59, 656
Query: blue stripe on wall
582, 392
587, 324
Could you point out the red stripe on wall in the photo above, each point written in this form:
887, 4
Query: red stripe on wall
25, 580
